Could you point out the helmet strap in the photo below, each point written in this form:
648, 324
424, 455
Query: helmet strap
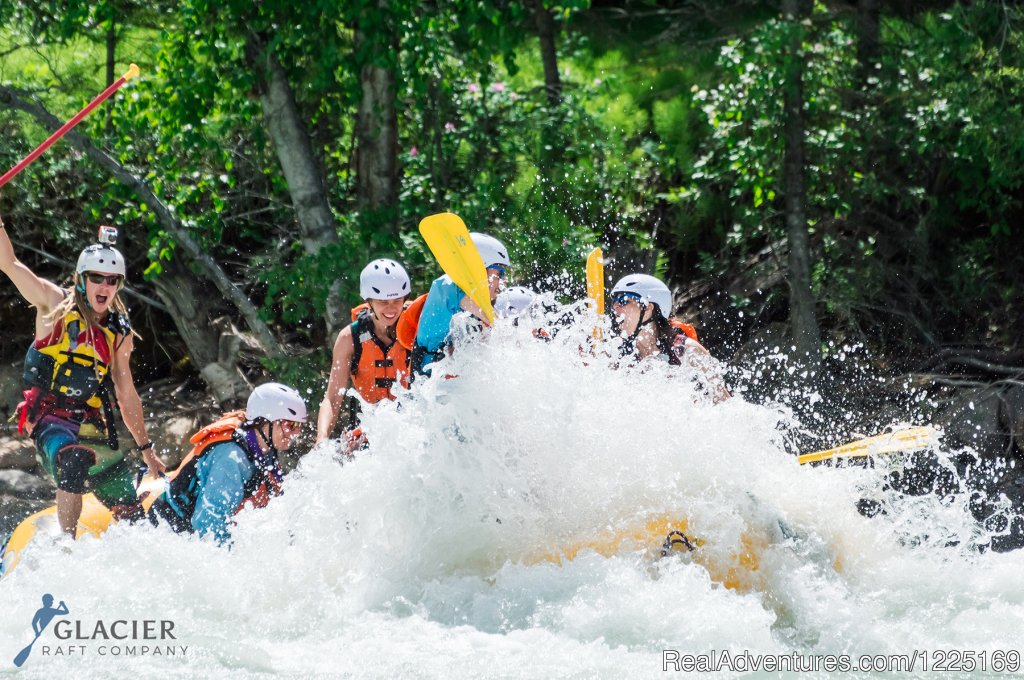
80, 289
266, 460
257, 429
629, 344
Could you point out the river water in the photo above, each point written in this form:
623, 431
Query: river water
424, 556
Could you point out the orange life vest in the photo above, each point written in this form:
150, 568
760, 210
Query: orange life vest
376, 367
690, 331
677, 347
409, 322
261, 487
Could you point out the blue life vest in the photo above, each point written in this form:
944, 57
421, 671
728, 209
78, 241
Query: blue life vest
443, 303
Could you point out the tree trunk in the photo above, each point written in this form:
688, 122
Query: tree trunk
189, 305
869, 42
227, 384
294, 149
377, 132
548, 51
213, 353
803, 320
306, 183
377, 160
208, 267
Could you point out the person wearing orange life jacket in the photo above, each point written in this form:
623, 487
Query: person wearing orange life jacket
83, 345
640, 309
233, 463
367, 353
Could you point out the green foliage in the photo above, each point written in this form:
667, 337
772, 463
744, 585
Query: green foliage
911, 178
665, 151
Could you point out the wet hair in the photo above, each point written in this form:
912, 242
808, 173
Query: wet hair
666, 332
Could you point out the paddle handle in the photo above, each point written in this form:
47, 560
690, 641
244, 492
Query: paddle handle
133, 72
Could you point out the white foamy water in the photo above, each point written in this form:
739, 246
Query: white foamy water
423, 557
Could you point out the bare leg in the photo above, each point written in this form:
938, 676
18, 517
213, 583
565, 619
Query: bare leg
69, 509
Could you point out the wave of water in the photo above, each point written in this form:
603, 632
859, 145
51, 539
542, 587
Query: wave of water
420, 557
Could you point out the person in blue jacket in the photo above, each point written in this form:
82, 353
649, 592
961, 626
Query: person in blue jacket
445, 300
234, 462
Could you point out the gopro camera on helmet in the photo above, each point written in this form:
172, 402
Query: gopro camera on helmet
107, 235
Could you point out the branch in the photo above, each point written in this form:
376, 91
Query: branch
953, 353
181, 236
999, 369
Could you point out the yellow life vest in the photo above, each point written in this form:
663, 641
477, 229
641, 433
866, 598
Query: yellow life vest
74, 361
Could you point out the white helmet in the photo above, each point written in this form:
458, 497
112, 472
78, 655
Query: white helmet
514, 301
274, 401
492, 251
384, 280
101, 258
649, 289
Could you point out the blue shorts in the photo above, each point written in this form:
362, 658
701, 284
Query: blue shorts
73, 466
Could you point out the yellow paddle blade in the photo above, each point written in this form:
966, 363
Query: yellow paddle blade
595, 284
449, 241
913, 439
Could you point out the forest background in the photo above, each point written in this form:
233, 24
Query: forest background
826, 180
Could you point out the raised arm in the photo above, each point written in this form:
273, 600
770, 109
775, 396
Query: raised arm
42, 294
341, 371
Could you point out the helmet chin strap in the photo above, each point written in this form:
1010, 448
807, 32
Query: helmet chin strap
629, 344
269, 441
81, 290
265, 460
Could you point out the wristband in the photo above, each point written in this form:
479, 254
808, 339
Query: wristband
145, 447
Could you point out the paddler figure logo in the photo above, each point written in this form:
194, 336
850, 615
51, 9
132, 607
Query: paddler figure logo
39, 623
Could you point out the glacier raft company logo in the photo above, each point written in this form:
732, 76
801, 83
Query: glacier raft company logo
105, 638
39, 623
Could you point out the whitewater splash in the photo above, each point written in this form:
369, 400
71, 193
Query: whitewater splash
422, 556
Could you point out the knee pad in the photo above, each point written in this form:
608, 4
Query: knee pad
73, 463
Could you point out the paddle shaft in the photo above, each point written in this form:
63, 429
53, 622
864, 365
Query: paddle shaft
23, 654
912, 439
103, 96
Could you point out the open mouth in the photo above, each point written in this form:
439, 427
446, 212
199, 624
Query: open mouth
102, 299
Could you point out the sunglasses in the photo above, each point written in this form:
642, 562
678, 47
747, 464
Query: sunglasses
623, 299
290, 425
498, 270
113, 280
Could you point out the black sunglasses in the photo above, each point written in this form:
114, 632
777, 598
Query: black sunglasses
113, 280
